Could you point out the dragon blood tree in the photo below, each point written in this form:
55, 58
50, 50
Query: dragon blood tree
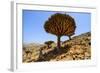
60, 25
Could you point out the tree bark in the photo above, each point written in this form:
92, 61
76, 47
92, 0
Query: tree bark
69, 37
58, 43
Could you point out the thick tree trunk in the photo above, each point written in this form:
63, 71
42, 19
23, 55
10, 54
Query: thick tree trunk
69, 37
58, 43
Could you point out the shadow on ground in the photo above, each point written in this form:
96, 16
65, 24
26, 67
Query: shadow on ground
54, 53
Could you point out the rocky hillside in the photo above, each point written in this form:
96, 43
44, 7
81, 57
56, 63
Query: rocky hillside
78, 48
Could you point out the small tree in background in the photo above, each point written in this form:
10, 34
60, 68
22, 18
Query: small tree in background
60, 25
48, 43
69, 35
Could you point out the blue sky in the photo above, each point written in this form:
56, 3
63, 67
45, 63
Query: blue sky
33, 25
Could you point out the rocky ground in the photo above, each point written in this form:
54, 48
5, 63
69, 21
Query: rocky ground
78, 48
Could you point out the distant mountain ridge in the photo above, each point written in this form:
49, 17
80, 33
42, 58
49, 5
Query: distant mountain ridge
32, 44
